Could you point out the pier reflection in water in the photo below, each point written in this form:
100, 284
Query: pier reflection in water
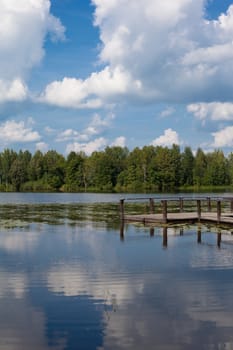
75, 284
164, 230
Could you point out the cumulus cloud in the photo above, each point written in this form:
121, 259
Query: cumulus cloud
24, 26
89, 93
223, 138
153, 52
88, 147
213, 111
169, 138
14, 90
12, 131
185, 60
99, 124
96, 126
42, 146
119, 141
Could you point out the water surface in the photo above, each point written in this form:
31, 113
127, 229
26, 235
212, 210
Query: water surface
71, 278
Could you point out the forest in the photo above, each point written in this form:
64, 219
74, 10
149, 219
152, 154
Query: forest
116, 169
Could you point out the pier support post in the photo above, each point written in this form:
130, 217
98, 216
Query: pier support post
232, 205
165, 237
122, 209
164, 210
152, 232
218, 211
199, 235
181, 204
199, 210
208, 204
219, 238
152, 206
122, 231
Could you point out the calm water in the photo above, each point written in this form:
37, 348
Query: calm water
71, 278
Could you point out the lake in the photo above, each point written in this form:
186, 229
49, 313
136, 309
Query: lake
69, 278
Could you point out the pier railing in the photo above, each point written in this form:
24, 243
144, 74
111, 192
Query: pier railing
165, 205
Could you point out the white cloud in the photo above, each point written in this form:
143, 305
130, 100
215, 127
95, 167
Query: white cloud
214, 111
168, 46
42, 146
167, 112
67, 135
24, 26
89, 93
96, 126
169, 138
119, 141
99, 124
12, 131
89, 147
14, 90
155, 52
223, 138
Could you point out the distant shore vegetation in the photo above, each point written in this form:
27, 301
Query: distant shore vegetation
116, 169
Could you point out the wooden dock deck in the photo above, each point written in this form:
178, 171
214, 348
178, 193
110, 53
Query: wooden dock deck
179, 218
173, 210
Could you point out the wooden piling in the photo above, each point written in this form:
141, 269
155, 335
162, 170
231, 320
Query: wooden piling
219, 239
218, 211
199, 235
164, 210
165, 237
199, 210
152, 232
152, 206
208, 204
122, 209
232, 206
181, 204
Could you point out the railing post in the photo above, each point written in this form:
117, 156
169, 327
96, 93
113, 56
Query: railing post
152, 206
218, 211
181, 205
122, 209
199, 210
164, 210
232, 205
208, 204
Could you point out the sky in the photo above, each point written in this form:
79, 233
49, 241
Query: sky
81, 75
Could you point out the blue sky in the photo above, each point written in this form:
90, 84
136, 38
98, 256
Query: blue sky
80, 75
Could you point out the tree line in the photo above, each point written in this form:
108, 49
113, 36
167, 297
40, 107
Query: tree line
116, 169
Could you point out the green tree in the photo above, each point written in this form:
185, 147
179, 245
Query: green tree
54, 169
98, 172
36, 166
75, 171
187, 165
8, 156
200, 166
217, 172
18, 173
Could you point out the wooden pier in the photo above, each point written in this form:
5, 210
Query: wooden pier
217, 210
